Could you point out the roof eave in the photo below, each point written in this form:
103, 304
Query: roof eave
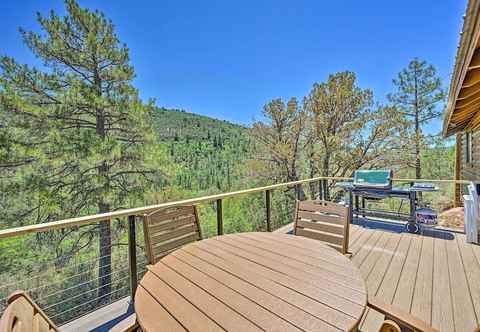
465, 51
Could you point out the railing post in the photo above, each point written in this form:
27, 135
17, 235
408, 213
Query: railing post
363, 207
219, 217
357, 205
268, 210
325, 190
322, 184
320, 189
350, 206
132, 256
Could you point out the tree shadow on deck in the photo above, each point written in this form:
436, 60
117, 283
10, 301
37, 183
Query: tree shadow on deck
398, 227
105, 327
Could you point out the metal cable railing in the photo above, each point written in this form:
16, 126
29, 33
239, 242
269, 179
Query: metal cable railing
75, 282
46, 273
77, 285
55, 316
48, 307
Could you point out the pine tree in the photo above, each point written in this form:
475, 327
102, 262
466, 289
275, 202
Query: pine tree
280, 140
338, 108
78, 135
419, 90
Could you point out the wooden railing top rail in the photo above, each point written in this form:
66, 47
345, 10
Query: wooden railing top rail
85, 220
432, 181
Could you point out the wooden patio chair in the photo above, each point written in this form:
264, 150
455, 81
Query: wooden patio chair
324, 221
24, 315
168, 229
397, 320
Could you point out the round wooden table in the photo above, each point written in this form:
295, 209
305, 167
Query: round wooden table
252, 282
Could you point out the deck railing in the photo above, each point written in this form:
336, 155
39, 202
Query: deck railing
82, 274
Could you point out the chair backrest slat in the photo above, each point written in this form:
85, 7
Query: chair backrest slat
324, 218
168, 229
324, 221
320, 226
24, 315
325, 206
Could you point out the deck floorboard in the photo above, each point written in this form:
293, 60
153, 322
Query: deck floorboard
435, 276
442, 310
472, 271
463, 312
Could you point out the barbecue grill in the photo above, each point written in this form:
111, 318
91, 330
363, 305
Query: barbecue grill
377, 185
380, 179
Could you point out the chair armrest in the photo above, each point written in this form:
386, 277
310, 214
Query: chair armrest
128, 324
20, 293
400, 316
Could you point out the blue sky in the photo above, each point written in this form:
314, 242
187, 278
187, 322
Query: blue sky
226, 59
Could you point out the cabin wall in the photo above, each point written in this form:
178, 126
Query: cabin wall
463, 170
470, 171
458, 201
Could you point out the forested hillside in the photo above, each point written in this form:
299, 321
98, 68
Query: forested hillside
207, 152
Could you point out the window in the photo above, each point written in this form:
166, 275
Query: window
468, 147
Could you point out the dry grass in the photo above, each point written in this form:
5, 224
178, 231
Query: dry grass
452, 218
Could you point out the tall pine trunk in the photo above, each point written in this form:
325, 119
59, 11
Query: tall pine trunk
299, 192
105, 238
418, 167
325, 168
105, 245
105, 261
311, 164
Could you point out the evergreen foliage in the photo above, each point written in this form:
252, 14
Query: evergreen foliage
207, 152
77, 139
419, 91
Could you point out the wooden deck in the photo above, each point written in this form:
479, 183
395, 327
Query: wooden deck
252, 282
435, 276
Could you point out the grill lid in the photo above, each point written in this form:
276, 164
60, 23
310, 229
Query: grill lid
373, 179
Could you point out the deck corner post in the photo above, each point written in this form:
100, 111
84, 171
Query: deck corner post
268, 210
325, 190
320, 190
219, 217
132, 256
350, 206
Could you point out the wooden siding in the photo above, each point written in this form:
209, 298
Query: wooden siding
470, 171
458, 201
435, 276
